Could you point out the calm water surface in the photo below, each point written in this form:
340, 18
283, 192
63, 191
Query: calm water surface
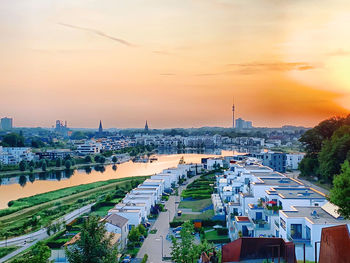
23, 186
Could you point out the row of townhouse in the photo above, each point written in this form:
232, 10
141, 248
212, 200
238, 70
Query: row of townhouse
260, 202
140, 202
87, 147
14, 155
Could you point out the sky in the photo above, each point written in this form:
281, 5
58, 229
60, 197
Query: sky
176, 63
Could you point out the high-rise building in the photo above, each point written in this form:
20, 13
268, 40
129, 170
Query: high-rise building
233, 113
146, 127
242, 124
6, 123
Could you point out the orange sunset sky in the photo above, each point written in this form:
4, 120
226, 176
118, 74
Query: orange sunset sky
176, 63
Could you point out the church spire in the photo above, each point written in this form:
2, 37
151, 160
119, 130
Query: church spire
100, 129
146, 127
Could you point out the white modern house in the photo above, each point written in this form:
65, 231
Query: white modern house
89, 147
158, 183
136, 199
119, 225
14, 155
293, 160
168, 179
303, 225
134, 216
145, 210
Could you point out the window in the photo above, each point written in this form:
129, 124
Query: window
296, 231
308, 233
283, 223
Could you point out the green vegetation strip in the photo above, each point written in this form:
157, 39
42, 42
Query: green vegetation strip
197, 205
4, 251
53, 205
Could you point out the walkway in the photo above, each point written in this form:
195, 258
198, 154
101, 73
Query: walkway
157, 245
295, 175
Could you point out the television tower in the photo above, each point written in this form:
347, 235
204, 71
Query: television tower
233, 112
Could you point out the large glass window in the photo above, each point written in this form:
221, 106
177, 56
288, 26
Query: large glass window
308, 233
296, 231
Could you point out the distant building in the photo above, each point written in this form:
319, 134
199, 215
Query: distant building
146, 127
6, 123
13, 155
61, 128
242, 124
100, 129
276, 161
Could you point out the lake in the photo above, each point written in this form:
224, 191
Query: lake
23, 186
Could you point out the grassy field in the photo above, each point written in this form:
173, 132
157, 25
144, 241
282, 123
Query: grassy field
40, 210
205, 215
196, 205
6, 250
102, 211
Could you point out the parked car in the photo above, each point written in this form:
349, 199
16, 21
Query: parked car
177, 229
146, 225
127, 259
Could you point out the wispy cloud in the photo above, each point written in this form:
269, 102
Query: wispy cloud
255, 68
251, 68
339, 52
167, 74
99, 33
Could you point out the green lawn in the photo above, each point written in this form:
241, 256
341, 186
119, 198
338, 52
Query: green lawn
205, 215
102, 211
213, 235
6, 250
196, 205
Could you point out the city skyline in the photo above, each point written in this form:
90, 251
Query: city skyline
176, 64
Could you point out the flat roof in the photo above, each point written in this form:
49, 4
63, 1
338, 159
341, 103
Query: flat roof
153, 181
314, 214
297, 193
279, 181
257, 167
133, 197
268, 174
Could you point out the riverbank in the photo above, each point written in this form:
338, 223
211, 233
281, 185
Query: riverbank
29, 214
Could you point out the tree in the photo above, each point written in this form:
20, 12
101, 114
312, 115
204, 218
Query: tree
78, 135
22, 165
114, 159
13, 140
58, 162
39, 254
44, 166
141, 229
134, 234
334, 152
88, 159
340, 193
185, 250
68, 164
94, 245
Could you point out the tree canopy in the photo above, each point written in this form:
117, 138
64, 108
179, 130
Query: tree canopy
94, 245
340, 193
13, 140
327, 146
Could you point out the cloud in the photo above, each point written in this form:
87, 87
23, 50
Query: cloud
99, 33
167, 74
339, 52
251, 68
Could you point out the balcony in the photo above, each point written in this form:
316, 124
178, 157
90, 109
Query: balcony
261, 224
272, 210
296, 239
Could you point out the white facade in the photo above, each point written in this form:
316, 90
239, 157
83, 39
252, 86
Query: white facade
14, 155
293, 160
89, 147
134, 216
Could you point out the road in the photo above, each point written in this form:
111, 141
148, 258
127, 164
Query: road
295, 175
28, 240
156, 245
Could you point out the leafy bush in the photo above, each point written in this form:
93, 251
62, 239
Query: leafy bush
222, 231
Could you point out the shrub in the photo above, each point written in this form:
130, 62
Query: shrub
11, 203
222, 231
145, 258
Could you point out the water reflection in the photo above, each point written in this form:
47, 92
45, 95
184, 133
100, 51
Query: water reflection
13, 188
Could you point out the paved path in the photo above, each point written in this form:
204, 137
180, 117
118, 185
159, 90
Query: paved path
155, 242
28, 240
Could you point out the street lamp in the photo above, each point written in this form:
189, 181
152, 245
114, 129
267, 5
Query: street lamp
162, 247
